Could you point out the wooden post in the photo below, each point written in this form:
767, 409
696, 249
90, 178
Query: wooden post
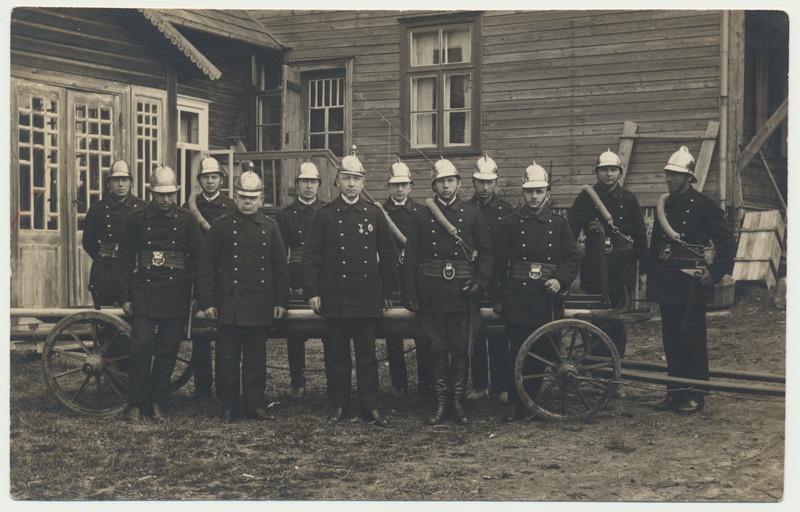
706, 152
626, 147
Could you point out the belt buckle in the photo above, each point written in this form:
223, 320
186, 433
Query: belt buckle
158, 258
667, 252
535, 271
449, 272
609, 246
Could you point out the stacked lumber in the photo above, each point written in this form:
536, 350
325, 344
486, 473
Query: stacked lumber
761, 243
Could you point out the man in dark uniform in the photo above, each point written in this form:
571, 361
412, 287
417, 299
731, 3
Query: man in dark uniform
494, 346
156, 262
243, 282
400, 208
294, 221
348, 274
536, 260
206, 206
684, 266
618, 212
102, 232
448, 266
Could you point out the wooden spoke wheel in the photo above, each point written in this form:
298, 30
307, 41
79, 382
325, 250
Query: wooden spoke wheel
567, 370
86, 362
183, 365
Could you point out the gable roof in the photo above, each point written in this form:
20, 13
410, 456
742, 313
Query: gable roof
238, 25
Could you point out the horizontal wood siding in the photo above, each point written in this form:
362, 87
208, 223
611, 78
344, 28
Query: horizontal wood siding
556, 87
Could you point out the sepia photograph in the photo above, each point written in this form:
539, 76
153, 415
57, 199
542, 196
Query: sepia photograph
392, 254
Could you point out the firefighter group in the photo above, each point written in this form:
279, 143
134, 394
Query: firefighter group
232, 264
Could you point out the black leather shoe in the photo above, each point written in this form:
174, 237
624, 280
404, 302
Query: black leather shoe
666, 404
459, 414
158, 413
376, 417
438, 416
259, 414
229, 417
690, 406
134, 414
337, 414
516, 413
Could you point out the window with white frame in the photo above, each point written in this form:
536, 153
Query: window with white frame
192, 142
441, 83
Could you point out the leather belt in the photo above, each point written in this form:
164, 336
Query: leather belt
529, 270
679, 253
620, 243
295, 254
162, 259
445, 269
108, 249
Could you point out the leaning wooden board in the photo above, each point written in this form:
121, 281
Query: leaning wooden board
758, 255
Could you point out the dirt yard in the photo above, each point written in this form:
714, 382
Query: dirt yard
732, 452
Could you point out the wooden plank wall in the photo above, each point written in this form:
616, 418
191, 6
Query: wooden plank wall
557, 87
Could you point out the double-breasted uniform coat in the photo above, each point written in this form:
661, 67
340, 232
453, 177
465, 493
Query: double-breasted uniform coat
493, 348
156, 263
627, 216
244, 274
349, 262
294, 220
682, 299
211, 209
102, 233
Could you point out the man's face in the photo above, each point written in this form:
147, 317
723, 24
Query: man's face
163, 200
210, 182
399, 191
446, 188
350, 185
677, 182
119, 187
608, 176
307, 188
484, 188
248, 205
535, 197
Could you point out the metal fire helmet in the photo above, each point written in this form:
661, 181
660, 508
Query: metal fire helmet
352, 165
444, 169
608, 159
249, 184
120, 169
308, 171
682, 161
535, 177
210, 165
164, 180
400, 173
485, 169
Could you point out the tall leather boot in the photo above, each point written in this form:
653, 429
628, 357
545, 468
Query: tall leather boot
439, 375
458, 379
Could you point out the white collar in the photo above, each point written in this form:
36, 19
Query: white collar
209, 199
307, 203
351, 203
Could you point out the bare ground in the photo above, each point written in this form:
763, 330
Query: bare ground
731, 452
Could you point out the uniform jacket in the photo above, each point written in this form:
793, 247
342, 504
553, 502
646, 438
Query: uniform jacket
493, 210
697, 219
294, 220
105, 222
401, 216
627, 215
160, 292
210, 210
243, 270
428, 240
349, 260
537, 238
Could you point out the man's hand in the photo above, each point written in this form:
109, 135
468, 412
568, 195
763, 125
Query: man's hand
705, 278
472, 289
127, 308
316, 304
211, 313
278, 312
387, 304
552, 286
411, 305
497, 307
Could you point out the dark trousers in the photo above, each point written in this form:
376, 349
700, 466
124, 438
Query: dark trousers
517, 334
339, 366
245, 345
424, 371
683, 328
615, 329
154, 349
448, 335
296, 354
201, 361
395, 353
490, 357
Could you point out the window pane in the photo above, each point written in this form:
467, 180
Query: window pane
424, 48
457, 44
458, 90
335, 119
423, 130
336, 143
423, 93
317, 142
317, 121
458, 127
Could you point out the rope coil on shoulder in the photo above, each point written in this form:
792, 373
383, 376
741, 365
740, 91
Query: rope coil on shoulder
469, 253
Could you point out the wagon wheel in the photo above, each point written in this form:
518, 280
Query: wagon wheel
567, 370
86, 362
183, 365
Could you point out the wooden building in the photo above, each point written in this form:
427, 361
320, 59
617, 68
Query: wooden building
558, 87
